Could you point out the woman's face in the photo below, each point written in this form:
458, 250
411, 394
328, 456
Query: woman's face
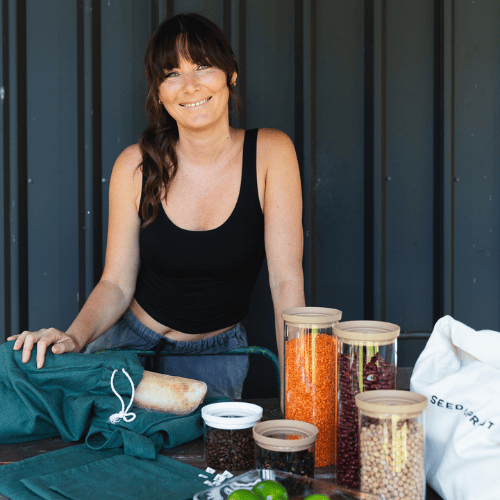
195, 96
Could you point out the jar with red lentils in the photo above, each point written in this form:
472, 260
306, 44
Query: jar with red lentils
366, 362
391, 443
310, 393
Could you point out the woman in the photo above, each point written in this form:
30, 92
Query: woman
193, 209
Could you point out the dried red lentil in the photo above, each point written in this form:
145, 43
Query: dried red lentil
311, 389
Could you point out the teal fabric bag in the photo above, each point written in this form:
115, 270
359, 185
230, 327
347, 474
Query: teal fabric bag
71, 396
78, 473
148, 433
60, 398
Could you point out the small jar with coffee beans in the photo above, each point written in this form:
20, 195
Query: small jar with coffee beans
229, 442
285, 445
391, 444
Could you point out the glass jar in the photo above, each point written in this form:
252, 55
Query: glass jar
391, 443
311, 374
366, 362
229, 443
285, 445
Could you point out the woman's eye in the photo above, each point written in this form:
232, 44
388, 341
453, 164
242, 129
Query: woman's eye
170, 74
203, 66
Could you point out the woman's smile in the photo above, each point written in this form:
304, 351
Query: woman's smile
196, 104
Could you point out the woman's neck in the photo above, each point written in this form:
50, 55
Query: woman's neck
205, 147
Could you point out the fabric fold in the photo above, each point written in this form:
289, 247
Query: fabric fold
59, 398
120, 478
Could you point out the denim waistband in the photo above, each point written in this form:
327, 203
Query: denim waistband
230, 339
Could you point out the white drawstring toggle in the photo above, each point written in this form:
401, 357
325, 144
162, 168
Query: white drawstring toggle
127, 417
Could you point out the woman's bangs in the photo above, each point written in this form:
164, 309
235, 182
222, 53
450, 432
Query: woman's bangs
187, 47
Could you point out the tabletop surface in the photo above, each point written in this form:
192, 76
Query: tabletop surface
191, 453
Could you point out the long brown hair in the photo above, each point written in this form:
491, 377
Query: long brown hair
192, 37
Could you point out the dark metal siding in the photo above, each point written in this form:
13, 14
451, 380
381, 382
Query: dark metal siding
393, 107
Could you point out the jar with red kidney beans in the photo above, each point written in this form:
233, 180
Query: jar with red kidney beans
366, 362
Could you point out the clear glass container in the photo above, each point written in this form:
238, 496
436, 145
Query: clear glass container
367, 352
285, 445
391, 443
311, 374
229, 443
297, 487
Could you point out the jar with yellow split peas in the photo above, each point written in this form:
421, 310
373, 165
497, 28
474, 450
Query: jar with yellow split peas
391, 443
310, 394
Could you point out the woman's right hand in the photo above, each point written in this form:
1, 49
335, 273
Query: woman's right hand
62, 342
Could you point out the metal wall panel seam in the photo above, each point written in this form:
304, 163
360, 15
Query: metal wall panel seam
368, 230
380, 89
438, 232
309, 110
449, 156
226, 19
234, 41
22, 165
12, 270
299, 100
97, 141
6, 170
165, 10
313, 216
88, 119
80, 90
155, 15
242, 63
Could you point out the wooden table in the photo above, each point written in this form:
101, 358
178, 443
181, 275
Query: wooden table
190, 453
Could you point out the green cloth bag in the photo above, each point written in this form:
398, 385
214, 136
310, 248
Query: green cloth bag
71, 396
151, 431
60, 398
78, 473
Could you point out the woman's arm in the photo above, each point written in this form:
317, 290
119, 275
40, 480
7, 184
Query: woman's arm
115, 290
283, 227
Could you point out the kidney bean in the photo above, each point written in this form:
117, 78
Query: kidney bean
377, 374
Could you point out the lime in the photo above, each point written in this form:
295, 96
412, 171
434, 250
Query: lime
242, 495
316, 497
270, 490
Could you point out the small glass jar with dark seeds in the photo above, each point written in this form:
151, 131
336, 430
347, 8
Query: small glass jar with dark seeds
285, 445
229, 442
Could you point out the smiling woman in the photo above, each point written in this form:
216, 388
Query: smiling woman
194, 208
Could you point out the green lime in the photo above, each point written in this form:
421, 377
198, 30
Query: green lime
316, 497
242, 495
270, 490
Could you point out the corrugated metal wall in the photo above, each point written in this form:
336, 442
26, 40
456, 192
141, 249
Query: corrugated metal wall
393, 106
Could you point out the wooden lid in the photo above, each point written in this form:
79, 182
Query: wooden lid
285, 435
311, 315
404, 404
362, 331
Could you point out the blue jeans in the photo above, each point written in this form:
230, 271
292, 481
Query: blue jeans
224, 375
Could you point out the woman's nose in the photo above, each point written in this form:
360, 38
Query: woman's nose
191, 82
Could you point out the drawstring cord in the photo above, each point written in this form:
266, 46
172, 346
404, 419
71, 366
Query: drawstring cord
123, 414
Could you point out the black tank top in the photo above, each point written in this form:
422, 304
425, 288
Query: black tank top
201, 281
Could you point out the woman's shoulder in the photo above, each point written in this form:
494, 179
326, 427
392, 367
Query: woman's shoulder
127, 171
130, 157
273, 137
274, 143
274, 146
